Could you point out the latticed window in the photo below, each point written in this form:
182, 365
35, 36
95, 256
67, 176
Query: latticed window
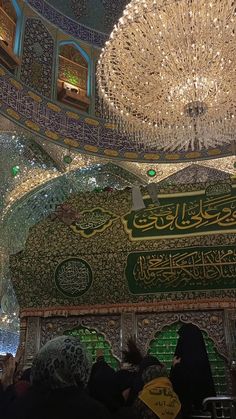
73, 77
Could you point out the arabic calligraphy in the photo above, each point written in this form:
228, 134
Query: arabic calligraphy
73, 277
218, 189
182, 269
192, 215
92, 222
159, 396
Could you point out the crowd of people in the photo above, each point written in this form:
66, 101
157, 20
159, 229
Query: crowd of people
62, 383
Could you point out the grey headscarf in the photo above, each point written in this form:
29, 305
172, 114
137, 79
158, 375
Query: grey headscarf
152, 372
61, 363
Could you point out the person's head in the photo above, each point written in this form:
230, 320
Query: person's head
191, 343
132, 355
152, 368
148, 361
190, 330
61, 363
154, 371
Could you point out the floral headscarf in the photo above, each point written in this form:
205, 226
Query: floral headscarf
61, 363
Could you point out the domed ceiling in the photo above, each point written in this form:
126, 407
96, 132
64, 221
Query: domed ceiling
97, 14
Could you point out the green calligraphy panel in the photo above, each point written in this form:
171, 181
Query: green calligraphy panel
187, 214
185, 269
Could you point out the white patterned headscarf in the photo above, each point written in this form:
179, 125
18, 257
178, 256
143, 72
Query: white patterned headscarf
61, 363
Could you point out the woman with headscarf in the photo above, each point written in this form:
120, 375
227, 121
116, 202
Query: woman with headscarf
59, 375
101, 381
157, 399
191, 373
123, 384
138, 382
138, 363
108, 386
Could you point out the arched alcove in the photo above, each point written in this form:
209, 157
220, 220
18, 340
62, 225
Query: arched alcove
73, 81
94, 341
10, 31
163, 347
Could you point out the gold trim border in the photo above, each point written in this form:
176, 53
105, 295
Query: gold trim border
141, 307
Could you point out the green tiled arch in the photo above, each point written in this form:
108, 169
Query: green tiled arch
94, 341
163, 347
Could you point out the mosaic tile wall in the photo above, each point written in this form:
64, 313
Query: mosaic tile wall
107, 12
56, 244
37, 57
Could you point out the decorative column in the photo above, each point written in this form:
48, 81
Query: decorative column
32, 341
230, 334
128, 328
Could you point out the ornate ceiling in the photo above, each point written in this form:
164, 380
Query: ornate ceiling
97, 14
42, 163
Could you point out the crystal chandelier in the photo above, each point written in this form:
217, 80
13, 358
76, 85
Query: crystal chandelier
167, 75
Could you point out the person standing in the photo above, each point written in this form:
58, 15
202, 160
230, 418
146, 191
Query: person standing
59, 376
191, 372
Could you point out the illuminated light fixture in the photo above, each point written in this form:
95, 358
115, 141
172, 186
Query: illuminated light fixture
167, 76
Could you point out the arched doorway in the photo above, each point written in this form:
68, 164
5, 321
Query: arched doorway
94, 341
163, 347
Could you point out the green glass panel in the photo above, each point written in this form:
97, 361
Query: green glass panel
67, 159
163, 347
15, 170
94, 341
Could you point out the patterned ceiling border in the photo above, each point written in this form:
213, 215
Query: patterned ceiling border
67, 24
69, 128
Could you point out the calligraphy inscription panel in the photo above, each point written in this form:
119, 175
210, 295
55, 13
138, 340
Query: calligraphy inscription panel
177, 215
73, 277
92, 222
186, 269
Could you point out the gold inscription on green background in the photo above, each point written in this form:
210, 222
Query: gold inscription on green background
181, 269
93, 221
183, 214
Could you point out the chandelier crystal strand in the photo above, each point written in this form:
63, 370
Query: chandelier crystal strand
167, 74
